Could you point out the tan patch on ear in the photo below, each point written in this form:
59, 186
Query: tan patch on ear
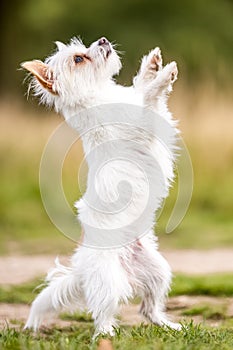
42, 72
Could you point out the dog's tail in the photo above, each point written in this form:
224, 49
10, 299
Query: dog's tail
62, 293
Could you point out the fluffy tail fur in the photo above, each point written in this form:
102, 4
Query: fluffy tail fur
63, 292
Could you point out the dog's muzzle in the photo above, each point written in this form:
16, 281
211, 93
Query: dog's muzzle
106, 46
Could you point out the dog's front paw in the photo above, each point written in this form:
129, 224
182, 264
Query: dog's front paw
155, 60
174, 72
151, 65
167, 76
170, 72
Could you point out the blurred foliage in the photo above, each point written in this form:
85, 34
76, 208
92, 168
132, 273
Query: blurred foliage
197, 34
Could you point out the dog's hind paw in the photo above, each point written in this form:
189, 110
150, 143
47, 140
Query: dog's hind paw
172, 325
106, 330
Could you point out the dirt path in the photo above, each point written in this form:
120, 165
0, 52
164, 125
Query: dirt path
19, 269
14, 315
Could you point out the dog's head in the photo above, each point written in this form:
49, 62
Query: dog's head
73, 73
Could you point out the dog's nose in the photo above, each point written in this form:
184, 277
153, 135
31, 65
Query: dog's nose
103, 41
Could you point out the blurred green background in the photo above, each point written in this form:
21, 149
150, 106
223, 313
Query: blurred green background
197, 34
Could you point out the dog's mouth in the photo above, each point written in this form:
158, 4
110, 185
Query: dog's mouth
108, 52
105, 51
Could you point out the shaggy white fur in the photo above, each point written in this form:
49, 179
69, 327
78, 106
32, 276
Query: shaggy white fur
129, 138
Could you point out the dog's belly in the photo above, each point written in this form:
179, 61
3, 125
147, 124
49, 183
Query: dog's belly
129, 172
122, 197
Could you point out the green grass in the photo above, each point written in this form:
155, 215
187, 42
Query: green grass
76, 316
20, 294
143, 337
207, 311
213, 285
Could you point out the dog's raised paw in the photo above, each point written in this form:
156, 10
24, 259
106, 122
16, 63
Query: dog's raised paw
173, 71
155, 59
170, 72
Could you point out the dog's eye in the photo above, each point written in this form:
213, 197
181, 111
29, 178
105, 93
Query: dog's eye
78, 59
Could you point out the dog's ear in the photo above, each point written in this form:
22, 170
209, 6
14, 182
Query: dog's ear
60, 45
42, 72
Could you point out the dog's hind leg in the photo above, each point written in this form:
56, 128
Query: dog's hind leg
154, 277
106, 285
153, 301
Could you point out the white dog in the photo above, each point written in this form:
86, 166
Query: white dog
78, 82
